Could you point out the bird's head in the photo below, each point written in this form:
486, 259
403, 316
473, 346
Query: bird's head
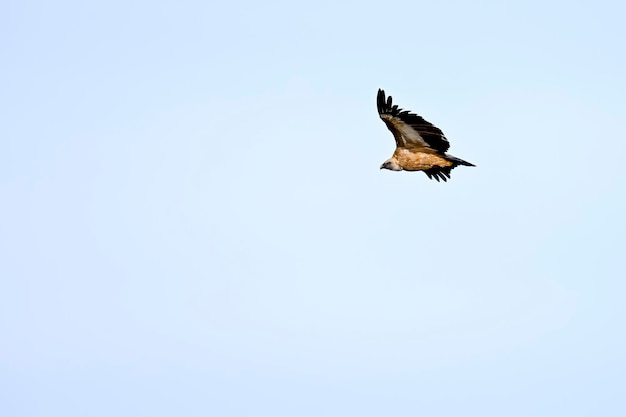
391, 164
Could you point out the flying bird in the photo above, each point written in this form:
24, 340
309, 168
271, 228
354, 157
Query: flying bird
420, 146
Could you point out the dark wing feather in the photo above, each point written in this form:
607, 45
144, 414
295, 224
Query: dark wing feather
409, 129
438, 173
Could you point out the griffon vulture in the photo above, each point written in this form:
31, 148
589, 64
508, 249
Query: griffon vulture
420, 146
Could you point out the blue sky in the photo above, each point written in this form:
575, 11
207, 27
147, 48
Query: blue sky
194, 222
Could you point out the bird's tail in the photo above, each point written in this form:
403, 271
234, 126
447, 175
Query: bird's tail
458, 161
441, 173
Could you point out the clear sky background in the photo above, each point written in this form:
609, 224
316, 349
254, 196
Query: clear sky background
194, 223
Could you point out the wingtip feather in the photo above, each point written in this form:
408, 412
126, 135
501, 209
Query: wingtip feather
380, 101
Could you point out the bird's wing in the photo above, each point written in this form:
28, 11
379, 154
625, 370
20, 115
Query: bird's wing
409, 129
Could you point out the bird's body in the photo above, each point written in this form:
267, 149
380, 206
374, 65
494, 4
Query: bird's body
410, 160
420, 146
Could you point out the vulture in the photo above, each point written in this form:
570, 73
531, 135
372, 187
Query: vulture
420, 146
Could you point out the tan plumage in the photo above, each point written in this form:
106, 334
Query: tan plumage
420, 146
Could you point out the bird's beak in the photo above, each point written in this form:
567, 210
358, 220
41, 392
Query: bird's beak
382, 166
